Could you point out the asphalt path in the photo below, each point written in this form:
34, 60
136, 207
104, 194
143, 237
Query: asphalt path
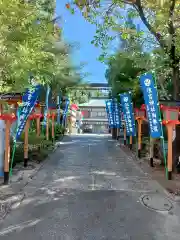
90, 189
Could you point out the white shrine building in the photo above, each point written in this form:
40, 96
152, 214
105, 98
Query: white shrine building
94, 115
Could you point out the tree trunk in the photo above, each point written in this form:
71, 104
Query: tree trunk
175, 80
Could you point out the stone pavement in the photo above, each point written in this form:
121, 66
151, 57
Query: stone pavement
90, 189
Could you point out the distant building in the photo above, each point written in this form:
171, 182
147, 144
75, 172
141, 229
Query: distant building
95, 90
94, 115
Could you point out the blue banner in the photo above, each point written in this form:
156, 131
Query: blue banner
116, 113
47, 105
65, 111
151, 101
127, 108
109, 109
108, 114
58, 109
29, 100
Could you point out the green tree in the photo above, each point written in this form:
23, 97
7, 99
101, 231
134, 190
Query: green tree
160, 17
126, 64
31, 44
22, 44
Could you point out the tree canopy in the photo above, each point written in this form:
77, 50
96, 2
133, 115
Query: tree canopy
161, 19
31, 45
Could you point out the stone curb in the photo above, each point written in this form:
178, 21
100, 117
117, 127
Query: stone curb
133, 156
172, 196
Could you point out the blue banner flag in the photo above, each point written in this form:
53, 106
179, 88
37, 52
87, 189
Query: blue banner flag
116, 113
65, 111
29, 100
127, 108
58, 109
152, 104
46, 105
109, 109
108, 115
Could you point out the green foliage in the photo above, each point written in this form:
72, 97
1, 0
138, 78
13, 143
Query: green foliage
125, 66
122, 75
161, 19
79, 96
38, 149
22, 40
38, 146
31, 44
59, 131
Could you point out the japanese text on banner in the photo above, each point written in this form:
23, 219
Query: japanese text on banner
65, 111
29, 101
151, 101
127, 108
109, 109
116, 113
47, 105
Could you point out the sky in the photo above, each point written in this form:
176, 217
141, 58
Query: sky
77, 29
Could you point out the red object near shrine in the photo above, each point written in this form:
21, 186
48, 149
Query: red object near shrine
140, 112
35, 115
74, 107
11, 117
170, 120
170, 115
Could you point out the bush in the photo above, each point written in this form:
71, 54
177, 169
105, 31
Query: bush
39, 147
38, 150
59, 131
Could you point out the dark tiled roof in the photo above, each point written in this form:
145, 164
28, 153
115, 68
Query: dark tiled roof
98, 85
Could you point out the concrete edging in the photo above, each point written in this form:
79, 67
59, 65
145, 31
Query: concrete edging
133, 157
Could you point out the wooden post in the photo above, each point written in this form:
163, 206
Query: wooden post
26, 130
124, 135
118, 131
139, 121
47, 127
169, 158
7, 152
52, 133
38, 126
114, 133
16, 107
1, 109
151, 150
130, 142
70, 124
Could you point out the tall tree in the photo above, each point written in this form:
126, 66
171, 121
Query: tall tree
160, 17
125, 66
31, 44
22, 42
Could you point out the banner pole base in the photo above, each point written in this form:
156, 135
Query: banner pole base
139, 153
151, 162
26, 162
124, 142
6, 178
169, 175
